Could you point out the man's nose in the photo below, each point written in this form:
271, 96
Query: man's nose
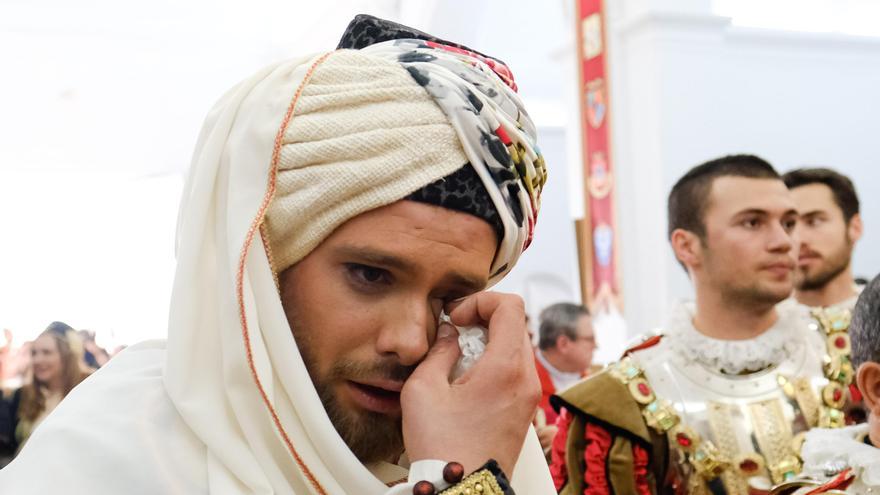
405, 333
781, 240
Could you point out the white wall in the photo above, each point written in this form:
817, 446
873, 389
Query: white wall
691, 86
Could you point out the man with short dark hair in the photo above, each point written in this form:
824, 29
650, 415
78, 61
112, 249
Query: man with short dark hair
704, 407
566, 343
849, 458
829, 225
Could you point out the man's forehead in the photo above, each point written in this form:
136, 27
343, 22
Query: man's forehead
731, 195
815, 197
585, 322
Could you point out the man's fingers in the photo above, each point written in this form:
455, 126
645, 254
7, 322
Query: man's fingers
442, 356
478, 308
503, 314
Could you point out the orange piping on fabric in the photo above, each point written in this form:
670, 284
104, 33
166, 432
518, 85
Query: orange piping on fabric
255, 225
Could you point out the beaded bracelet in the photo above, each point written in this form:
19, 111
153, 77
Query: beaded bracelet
487, 480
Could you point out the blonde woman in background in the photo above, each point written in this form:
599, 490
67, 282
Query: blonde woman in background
56, 367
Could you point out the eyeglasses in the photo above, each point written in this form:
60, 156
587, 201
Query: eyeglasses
591, 339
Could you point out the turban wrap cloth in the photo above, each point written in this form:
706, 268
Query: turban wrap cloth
406, 118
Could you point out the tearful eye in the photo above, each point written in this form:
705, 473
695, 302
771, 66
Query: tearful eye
367, 276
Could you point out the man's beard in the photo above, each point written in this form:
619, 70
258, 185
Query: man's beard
371, 436
836, 264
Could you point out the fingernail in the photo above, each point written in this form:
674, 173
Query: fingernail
445, 331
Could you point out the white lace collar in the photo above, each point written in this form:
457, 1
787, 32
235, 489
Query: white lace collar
770, 348
826, 451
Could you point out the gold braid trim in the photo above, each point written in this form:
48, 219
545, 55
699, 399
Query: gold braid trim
482, 482
662, 417
834, 323
773, 435
722, 429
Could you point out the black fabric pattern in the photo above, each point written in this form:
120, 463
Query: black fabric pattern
462, 191
500, 477
365, 30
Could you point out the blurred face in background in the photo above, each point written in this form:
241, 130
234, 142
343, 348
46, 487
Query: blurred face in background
826, 240
46, 359
749, 252
580, 352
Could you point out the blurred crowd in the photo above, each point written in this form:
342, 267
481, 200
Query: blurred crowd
36, 375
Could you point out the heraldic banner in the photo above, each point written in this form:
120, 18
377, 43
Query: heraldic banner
597, 238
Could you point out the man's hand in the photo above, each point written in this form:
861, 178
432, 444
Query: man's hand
487, 411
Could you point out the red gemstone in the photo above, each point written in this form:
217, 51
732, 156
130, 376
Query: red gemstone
424, 488
683, 440
840, 342
453, 473
644, 389
748, 466
837, 395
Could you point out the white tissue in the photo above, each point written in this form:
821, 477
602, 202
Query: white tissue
471, 341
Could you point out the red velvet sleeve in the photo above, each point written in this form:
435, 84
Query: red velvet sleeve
558, 468
640, 468
598, 445
596, 451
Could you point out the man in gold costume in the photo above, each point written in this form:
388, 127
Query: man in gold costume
719, 401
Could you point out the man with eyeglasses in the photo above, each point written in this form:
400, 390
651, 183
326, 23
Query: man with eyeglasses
565, 350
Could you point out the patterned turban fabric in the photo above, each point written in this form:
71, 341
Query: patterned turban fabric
381, 127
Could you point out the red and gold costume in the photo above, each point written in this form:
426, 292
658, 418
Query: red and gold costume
685, 413
841, 460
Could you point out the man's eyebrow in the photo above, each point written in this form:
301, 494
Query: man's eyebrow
372, 256
751, 211
812, 213
764, 213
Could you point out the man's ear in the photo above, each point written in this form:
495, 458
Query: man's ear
854, 229
868, 381
687, 247
562, 341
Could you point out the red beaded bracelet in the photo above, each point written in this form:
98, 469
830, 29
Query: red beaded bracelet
424, 488
453, 473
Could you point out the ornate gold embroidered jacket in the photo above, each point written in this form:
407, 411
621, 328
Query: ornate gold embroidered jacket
722, 433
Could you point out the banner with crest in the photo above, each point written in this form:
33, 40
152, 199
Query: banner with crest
597, 236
